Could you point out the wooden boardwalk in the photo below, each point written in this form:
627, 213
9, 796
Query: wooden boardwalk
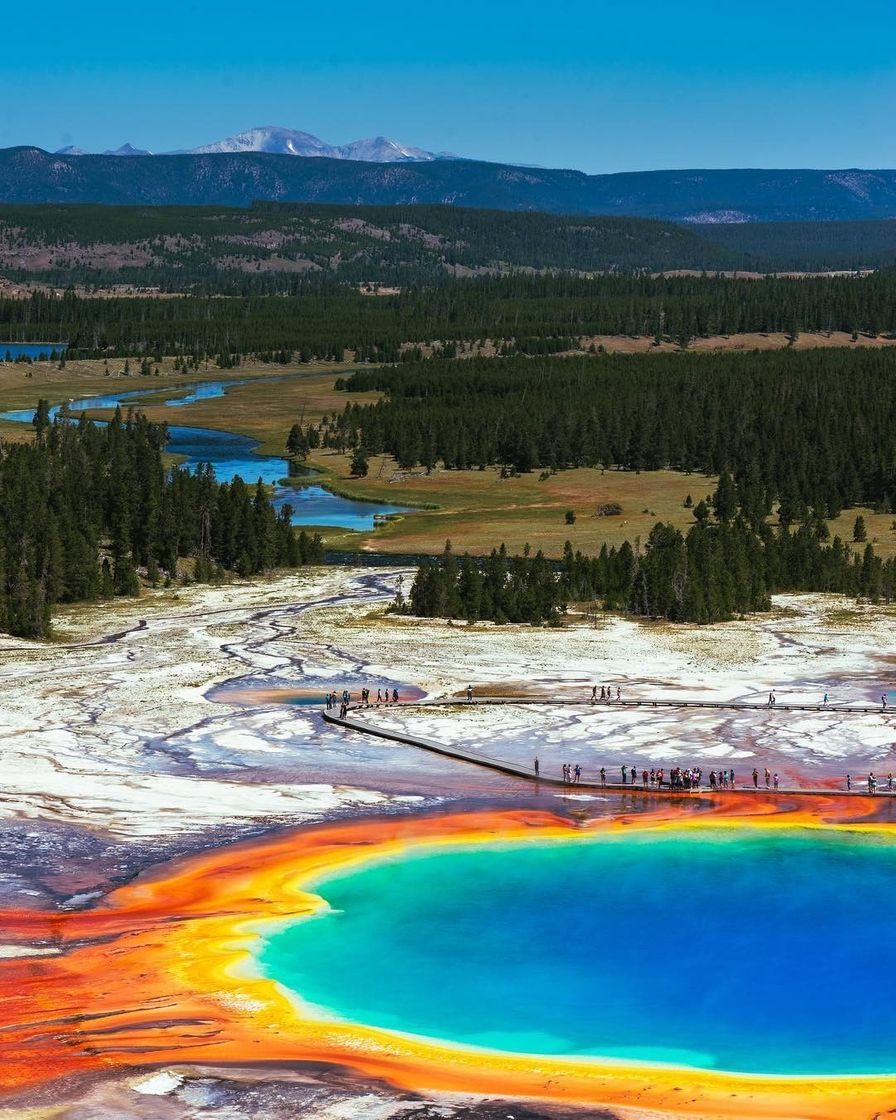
352, 723
669, 702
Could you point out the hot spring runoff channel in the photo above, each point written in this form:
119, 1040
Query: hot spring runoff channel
231, 455
754, 951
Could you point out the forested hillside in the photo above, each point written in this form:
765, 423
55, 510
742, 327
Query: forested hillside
812, 431
809, 246
268, 247
32, 175
276, 248
84, 506
531, 314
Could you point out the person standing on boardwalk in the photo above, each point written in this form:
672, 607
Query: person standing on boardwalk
755, 778
469, 694
578, 773
536, 767
768, 776
825, 700
883, 703
776, 781
618, 693
593, 699
624, 774
603, 775
848, 782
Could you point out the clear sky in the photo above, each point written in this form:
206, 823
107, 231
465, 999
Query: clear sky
599, 85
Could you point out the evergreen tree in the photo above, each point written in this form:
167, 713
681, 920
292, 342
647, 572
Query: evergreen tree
359, 465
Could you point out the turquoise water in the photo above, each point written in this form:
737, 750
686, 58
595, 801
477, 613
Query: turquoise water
9, 351
756, 954
231, 455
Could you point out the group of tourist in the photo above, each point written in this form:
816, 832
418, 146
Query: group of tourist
606, 694
691, 777
679, 777
771, 780
383, 696
872, 782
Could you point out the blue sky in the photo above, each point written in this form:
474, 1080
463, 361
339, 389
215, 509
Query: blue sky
599, 86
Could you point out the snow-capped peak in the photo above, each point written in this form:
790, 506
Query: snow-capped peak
383, 150
289, 142
270, 138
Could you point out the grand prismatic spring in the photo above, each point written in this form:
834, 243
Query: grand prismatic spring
692, 1015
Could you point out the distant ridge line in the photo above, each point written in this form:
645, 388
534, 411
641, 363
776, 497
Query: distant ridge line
693, 196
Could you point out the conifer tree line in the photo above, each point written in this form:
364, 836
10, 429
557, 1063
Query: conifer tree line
85, 509
324, 318
814, 431
719, 569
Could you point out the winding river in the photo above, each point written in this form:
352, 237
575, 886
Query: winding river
231, 454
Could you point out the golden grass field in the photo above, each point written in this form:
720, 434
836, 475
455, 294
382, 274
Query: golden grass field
476, 510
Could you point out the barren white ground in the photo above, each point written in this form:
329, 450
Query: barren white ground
811, 645
161, 717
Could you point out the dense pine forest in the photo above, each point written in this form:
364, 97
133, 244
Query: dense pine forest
529, 314
814, 431
723, 567
810, 246
84, 508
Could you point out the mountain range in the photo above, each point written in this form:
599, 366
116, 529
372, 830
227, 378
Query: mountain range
288, 142
225, 178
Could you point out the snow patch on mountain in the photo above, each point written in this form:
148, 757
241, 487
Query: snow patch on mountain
290, 142
856, 182
271, 139
717, 217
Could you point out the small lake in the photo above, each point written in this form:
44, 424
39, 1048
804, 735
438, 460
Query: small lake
9, 351
231, 454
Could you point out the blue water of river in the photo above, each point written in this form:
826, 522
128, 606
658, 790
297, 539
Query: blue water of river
231, 454
9, 351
